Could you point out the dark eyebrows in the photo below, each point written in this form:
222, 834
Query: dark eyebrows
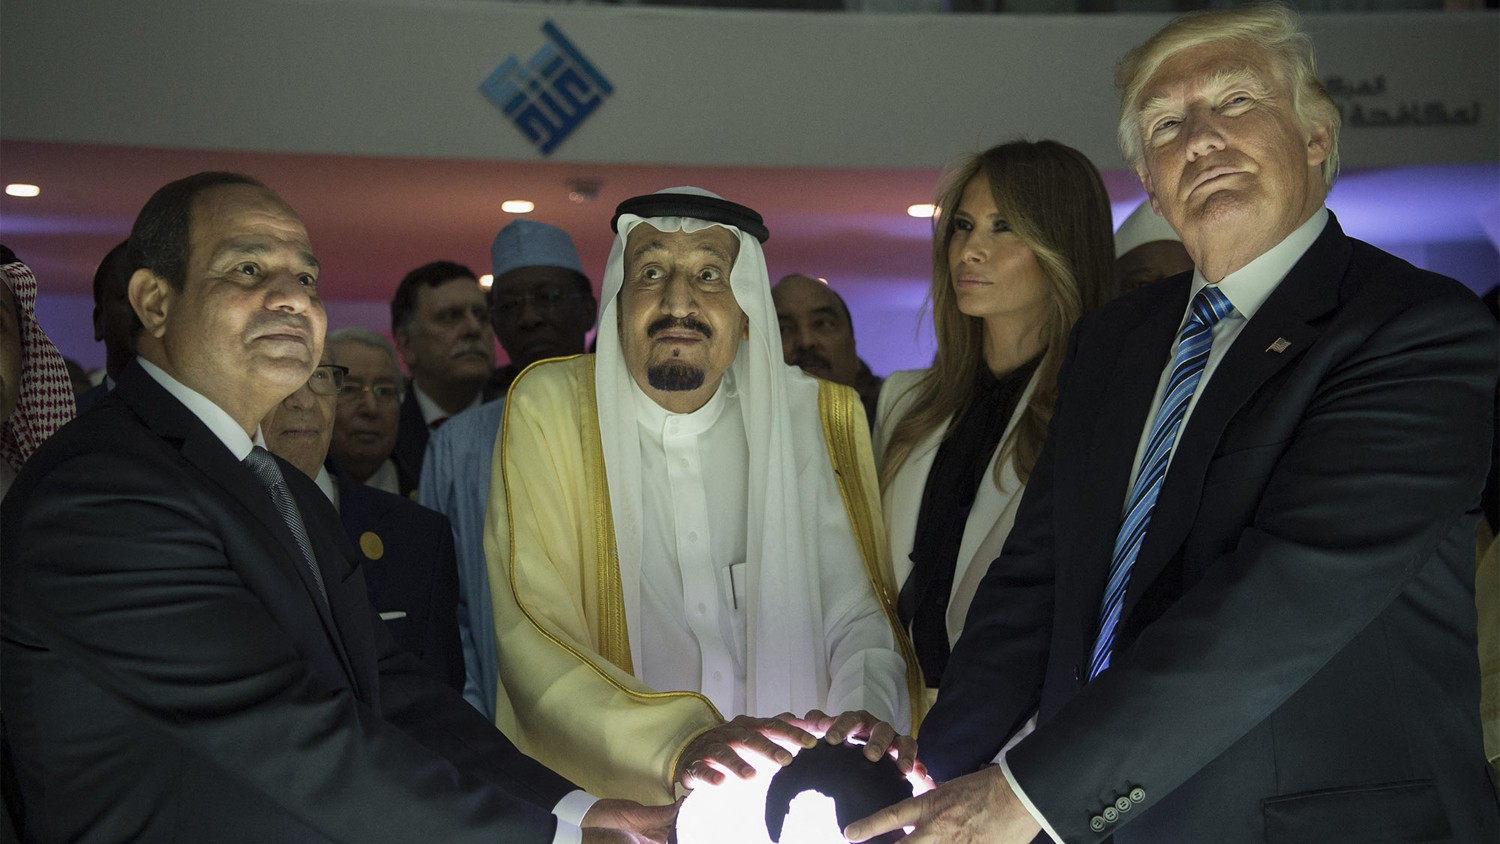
716, 252
260, 250
648, 246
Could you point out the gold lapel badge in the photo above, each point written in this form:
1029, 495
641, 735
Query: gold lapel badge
1281, 345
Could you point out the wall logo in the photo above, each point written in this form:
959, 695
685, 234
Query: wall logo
549, 95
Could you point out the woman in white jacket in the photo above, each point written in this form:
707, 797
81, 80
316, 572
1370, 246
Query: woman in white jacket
1021, 247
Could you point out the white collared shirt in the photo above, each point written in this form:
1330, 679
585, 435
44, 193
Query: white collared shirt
692, 561
386, 478
216, 418
325, 482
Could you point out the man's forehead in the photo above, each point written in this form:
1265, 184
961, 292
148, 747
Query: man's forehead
526, 278
248, 219
363, 359
798, 294
646, 238
449, 291
1216, 64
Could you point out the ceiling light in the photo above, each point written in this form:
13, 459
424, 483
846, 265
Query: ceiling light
486, 280
517, 206
924, 210
22, 190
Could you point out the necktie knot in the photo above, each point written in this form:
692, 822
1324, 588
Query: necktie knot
1210, 306
260, 462
263, 466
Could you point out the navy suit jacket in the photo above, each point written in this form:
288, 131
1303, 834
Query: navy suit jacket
1296, 657
171, 674
406, 551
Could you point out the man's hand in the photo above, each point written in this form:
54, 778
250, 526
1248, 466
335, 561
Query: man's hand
730, 749
639, 823
979, 808
878, 737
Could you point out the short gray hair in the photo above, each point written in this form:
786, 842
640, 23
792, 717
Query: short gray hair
373, 340
1271, 27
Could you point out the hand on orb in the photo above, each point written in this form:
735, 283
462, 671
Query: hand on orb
733, 748
980, 808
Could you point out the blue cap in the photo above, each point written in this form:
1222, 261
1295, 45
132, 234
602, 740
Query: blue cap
527, 243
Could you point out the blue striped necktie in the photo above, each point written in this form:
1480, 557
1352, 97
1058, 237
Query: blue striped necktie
1193, 343
268, 473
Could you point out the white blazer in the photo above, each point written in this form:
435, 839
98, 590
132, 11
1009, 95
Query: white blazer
990, 518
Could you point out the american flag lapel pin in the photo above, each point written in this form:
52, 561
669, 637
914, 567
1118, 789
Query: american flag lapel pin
1281, 345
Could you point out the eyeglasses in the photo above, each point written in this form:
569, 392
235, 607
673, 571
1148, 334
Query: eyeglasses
327, 379
509, 306
383, 391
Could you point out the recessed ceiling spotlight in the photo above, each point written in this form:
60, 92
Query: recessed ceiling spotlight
487, 281
518, 206
22, 190
583, 190
923, 210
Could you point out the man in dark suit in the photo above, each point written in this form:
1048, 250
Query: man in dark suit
189, 651
115, 323
442, 328
405, 550
1266, 633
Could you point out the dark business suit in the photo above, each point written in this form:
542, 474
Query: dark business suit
1295, 660
172, 676
411, 441
406, 551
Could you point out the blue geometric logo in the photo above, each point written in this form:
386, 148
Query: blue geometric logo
551, 94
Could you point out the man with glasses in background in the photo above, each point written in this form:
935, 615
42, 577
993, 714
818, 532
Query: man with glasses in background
369, 411
541, 306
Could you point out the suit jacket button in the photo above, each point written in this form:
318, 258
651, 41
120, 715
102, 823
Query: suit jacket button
1109, 814
1137, 794
1096, 823
1123, 804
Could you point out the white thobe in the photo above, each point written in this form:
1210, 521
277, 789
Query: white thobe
694, 483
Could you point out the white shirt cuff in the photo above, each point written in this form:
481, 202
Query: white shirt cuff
567, 833
1026, 801
573, 806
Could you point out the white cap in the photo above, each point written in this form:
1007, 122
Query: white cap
1141, 227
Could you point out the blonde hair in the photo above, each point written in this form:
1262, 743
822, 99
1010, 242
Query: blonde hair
1270, 27
1053, 199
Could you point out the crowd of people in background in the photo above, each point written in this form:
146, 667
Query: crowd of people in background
1171, 541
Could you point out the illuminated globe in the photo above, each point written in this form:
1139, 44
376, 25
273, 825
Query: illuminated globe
810, 801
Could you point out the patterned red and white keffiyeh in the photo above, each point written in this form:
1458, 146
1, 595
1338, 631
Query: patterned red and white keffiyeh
46, 399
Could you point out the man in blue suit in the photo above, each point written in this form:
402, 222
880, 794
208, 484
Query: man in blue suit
541, 306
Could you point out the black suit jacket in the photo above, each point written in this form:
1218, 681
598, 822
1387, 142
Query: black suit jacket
172, 676
406, 551
1296, 657
411, 442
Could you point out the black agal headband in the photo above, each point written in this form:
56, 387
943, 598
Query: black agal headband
698, 207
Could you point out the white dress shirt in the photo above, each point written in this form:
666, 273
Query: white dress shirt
693, 562
1247, 289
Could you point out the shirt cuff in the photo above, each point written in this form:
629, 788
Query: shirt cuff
567, 833
574, 805
1026, 801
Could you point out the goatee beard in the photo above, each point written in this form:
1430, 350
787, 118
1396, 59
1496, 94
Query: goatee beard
674, 377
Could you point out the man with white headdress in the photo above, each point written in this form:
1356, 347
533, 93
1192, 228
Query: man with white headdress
1147, 250
683, 529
